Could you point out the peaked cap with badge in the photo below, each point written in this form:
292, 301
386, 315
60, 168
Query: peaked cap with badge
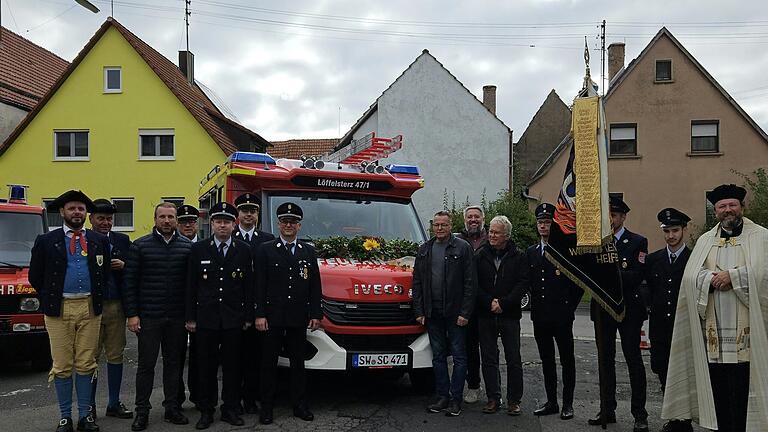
672, 217
618, 205
248, 200
187, 211
223, 210
290, 210
545, 211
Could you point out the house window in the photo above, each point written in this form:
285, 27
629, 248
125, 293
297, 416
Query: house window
156, 144
53, 217
705, 136
623, 140
71, 145
663, 70
113, 80
123, 219
177, 201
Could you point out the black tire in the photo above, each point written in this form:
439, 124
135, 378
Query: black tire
422, 380
525, 302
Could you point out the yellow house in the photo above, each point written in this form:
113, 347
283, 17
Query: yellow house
123, 123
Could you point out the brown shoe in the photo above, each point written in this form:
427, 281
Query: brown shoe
513, 409
491, 407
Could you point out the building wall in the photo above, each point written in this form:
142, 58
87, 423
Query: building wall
457, 143
10, 116
664, 175
547, 188
114, 169
551, 123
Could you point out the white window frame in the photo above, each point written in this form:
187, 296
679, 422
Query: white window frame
45, 203
125, 228
178, 201
166, 132
56, 156
106, 81
702, 124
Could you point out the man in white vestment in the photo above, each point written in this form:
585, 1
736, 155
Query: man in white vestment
718, 367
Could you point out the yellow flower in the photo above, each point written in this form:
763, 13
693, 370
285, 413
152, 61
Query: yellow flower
371, 244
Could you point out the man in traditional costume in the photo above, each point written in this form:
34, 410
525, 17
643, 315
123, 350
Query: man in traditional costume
718, 367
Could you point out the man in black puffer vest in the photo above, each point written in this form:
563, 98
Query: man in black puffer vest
153, 296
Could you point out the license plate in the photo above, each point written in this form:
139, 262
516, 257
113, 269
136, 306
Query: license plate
379, 360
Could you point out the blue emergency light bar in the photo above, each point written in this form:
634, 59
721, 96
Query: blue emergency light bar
252, 158
403, 169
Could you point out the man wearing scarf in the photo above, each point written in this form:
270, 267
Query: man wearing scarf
718, 368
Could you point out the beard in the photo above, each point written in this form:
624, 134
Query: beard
74, 223
474, 230
731, 223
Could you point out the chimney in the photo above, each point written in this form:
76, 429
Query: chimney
615, 59
489, 98
187, 65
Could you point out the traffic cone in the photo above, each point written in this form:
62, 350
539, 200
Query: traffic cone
645, 343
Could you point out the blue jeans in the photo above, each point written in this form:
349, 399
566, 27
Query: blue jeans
445, 337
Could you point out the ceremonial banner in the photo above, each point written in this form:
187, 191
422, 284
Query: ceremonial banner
581, 242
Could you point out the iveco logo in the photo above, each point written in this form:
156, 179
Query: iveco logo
379, 289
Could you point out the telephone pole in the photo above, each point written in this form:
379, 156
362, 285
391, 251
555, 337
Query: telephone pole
602, 59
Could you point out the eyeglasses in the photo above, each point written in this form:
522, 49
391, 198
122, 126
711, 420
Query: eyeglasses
441, 225
289, 222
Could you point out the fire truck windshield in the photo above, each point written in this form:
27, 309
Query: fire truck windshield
349, 215
17, 236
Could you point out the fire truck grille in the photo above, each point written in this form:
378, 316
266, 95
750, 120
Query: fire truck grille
363, 343
369, 314
9, 305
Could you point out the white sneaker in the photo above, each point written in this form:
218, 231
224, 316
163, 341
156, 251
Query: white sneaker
472, 396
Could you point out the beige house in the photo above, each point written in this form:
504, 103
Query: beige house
674, 132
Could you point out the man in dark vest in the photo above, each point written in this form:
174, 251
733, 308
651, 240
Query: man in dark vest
69, 270
112, 333
288, 295
219, 304
663, 273
248, 206
554, 299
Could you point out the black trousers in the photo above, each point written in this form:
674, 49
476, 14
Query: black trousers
213, 345
191, 361
661, 344
169, 335
293, 338
250, 362
629, 330
473, 354
509, 328
730, 388
546, 335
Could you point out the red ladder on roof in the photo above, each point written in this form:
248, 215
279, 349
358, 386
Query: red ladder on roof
366, 149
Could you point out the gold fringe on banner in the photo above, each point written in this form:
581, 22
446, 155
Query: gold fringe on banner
586, 169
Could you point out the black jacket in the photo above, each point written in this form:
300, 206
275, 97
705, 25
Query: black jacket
461, 287
633, 250
48, 266
508, 284
288, 288
554, 298
120, 244
155, 277
258, 237
220, 290
664, 281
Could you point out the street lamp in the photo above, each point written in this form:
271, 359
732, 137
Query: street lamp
88, 5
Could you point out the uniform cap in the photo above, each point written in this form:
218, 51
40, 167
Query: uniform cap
289, 210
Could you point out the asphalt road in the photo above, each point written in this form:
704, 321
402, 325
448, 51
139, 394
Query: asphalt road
354, 402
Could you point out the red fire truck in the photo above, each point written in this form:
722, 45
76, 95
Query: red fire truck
368, 317
22, 326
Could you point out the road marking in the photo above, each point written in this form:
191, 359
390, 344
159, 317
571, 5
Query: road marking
15, 392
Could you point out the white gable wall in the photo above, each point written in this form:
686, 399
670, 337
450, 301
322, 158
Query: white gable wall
456, 142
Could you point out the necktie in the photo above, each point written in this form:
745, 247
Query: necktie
78, 236
672, 258
248, 238
291, 247
221, 249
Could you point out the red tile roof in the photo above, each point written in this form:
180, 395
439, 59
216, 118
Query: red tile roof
190, 95
293, 149
27, 71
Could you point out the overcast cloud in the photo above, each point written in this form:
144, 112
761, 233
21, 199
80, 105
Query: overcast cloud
309, 69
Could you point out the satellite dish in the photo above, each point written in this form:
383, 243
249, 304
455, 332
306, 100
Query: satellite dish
88, 5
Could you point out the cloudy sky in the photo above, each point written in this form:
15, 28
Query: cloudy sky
309, 69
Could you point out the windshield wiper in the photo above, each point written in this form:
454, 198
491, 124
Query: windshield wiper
7, 264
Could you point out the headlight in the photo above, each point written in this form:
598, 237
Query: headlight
29, 304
